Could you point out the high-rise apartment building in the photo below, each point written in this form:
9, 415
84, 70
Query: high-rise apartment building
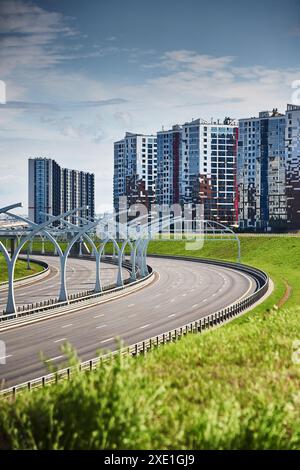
168, 164
261, 172
196, 164
135, 169
208, 168
53, 190
247, 175
292, 136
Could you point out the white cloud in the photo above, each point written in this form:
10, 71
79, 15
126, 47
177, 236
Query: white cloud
176, 87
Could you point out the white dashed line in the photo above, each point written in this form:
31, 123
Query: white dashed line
106, 340
101, 326
58, 340
172, 315
5, 357
65, 326
130, 305
98, 316
145, 326
195, 305
54, 358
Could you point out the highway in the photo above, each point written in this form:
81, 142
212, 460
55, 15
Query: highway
183, 291
80, 277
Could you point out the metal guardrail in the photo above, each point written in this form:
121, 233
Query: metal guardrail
48, 304
142, 347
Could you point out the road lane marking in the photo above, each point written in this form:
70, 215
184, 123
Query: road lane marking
65, 326
172, 315
101, 326
195, 305
5, 357
130, 305
54, 358
106, 340
58, 340
204, 300
145, 326
100, 315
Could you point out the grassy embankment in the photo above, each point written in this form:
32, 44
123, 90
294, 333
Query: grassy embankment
235, 387
20, 270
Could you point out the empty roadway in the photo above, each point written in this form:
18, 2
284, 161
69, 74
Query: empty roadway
183, 292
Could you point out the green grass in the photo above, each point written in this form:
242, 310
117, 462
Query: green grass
20, 270
279, 257
236, 387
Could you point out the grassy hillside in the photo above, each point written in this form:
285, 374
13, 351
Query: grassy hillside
233, 388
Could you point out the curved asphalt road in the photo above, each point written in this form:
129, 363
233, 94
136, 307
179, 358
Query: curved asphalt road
80, 277
184, 292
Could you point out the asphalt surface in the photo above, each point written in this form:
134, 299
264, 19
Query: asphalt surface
80, 277
183, 292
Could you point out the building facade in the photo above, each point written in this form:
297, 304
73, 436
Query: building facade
292, 136
268, 170
208, 168
168, 164
135, 169
54, 190
196, 164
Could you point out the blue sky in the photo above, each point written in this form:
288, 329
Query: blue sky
79, 74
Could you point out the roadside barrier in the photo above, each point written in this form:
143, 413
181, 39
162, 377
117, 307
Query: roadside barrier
83, 296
